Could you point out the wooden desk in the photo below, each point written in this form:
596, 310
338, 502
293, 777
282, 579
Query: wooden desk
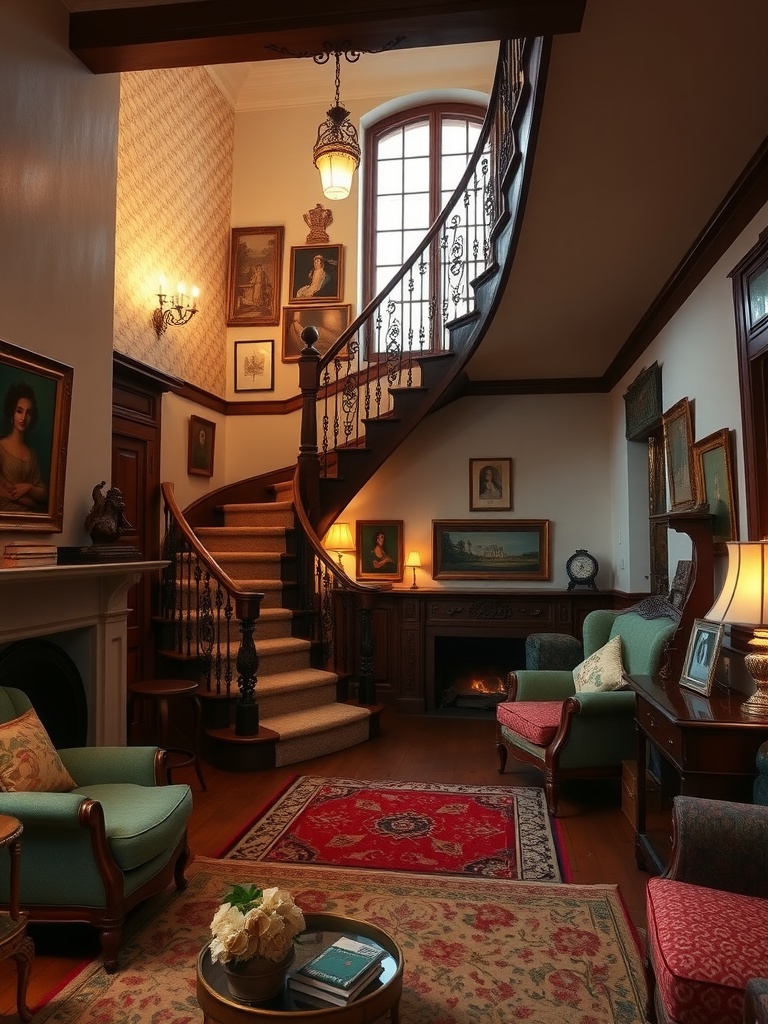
710, 745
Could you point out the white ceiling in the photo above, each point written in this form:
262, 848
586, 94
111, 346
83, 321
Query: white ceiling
651, 113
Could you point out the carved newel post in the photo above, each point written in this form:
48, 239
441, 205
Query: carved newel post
247, 664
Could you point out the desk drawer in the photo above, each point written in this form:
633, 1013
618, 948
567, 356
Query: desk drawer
663, 733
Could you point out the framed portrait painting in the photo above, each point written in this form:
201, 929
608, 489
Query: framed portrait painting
379, 549
200, 445
330, 321
490, 484
37, 399
255, 277
316, 273
678, 450
254, 366
490, 549
714, 470
701, 656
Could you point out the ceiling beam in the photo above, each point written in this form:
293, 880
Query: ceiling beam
233, 31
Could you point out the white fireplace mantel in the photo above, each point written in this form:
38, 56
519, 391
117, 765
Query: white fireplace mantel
58, 600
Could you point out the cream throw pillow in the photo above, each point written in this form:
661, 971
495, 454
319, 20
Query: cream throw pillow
28, 760
602, 670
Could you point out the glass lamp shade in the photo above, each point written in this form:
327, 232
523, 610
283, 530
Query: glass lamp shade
337, 169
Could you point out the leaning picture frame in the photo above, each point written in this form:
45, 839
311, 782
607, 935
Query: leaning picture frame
316, 273
701, 656
490, 484
678, 450
379, 549
37, 399
500, 549
330, 321
200, 446
714, 470
254, 366
255, 277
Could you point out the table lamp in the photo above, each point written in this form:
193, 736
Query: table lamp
339, 539
413, 561
744, 601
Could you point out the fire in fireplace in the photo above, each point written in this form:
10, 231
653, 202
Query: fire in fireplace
471, 672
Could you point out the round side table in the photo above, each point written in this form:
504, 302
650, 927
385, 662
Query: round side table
219, 1007
14, 941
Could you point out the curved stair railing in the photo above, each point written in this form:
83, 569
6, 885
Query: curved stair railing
398, 359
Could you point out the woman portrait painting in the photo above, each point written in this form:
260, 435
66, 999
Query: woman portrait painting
316, 272
380, 550
490, 483
23, 486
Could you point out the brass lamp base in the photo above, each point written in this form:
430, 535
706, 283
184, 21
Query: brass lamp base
756, 663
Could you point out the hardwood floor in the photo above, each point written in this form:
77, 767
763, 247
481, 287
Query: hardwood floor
599, 840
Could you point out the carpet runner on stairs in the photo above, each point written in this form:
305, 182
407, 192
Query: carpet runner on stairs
296, 701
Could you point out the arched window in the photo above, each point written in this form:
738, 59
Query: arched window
414, 160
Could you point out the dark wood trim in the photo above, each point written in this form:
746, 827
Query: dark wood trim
231, 31
536, 386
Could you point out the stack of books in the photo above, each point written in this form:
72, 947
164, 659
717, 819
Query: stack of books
340, 973
20, 556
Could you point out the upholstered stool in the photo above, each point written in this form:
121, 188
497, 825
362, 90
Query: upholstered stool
158, 693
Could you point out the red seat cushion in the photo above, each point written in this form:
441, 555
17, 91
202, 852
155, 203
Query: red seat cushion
534, 720
705, 944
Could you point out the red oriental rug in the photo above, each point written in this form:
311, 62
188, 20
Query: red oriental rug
491, 831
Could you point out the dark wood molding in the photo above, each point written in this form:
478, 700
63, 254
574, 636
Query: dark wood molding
231, 31
536, 386
128, 369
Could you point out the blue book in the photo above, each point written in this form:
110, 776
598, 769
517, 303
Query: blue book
341, 965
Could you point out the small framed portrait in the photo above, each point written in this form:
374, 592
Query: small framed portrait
202, 434
316, 273
678, 450
36, 394
255, 277
490, 484
715, 480
254, 366
330, 321
379, 548
701, 657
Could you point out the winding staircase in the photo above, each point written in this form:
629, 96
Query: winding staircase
251, 604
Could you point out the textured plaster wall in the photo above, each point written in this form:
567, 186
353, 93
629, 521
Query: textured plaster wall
173, 219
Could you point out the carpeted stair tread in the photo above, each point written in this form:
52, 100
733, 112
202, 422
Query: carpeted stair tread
295, 680
243, 538
297, 723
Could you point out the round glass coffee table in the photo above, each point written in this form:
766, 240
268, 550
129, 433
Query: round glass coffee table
220, 1007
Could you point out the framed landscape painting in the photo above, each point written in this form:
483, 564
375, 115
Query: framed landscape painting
255, 277
500, 549
37, 398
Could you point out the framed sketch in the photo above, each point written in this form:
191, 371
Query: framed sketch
202, 435
490, 549
490, 484
714, 470
255, 277
37, 398
379, 549
701, 657
331, 322
678, 450
316, 273
254, 366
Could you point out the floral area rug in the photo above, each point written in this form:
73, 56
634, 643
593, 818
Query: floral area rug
494, 831
476, 950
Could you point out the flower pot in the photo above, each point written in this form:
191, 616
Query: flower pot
258, 979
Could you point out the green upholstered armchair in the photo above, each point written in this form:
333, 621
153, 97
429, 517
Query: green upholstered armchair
546, 721
91, 854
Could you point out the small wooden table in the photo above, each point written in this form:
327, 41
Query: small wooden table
219, 1007
14, 941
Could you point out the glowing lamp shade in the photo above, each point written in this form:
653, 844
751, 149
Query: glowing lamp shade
338, 539
336, 153
337, 169
744, 601
413, 561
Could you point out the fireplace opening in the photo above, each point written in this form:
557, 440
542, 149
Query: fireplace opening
471, 671
53, 683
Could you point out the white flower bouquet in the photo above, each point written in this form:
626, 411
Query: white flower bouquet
252, 923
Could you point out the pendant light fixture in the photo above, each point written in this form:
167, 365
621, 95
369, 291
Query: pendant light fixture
337, 151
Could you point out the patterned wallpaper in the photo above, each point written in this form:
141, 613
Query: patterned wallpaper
174, 186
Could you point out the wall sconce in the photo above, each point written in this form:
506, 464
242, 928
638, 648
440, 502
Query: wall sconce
413, 561
339, 539
174, 310
337, 151
744, 601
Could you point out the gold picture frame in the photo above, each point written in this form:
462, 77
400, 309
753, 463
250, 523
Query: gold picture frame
490, 549
678, 451
714, 471
490, 484
255, 277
